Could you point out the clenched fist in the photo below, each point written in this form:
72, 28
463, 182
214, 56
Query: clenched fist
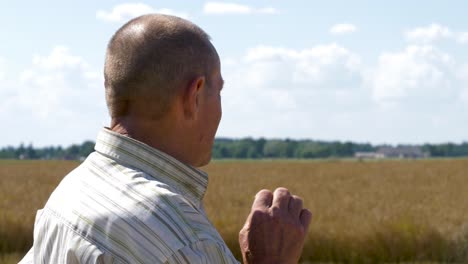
275, 229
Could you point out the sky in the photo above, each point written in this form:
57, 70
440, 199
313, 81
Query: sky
393, 72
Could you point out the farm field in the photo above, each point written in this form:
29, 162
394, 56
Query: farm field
391, 211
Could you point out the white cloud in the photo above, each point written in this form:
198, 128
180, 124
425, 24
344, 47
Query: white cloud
59, 85
462, 37
292, 91
340, 29
428, 34
318, 65
127, 11
267, 10
59, 58
435, 32
321, 91
219, 8
57, 99
418, 73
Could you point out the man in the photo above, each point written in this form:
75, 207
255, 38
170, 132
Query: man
138, 197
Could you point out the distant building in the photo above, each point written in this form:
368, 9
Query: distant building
368, 155
401, 152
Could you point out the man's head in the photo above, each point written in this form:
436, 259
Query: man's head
162, 79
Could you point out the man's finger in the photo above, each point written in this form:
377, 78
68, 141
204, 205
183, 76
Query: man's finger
295, 206
281, 198
263, 199
306, 217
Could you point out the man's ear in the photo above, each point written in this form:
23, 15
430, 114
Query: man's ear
192, 96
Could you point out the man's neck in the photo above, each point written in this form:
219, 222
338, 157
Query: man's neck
159, 135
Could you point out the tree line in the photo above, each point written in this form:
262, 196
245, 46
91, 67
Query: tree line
246, 148
73, 152
308, 149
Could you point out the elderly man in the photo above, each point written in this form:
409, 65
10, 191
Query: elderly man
138, 197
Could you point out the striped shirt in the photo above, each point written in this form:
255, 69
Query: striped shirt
127, 203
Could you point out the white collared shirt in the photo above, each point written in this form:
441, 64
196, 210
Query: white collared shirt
127, 203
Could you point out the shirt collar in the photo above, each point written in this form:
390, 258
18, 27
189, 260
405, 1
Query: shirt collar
190, 181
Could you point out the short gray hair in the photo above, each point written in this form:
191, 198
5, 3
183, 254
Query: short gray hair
150, 57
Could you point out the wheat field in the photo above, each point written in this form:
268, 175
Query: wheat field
392, 211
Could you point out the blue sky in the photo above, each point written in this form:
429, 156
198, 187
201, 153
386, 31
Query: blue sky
366, 71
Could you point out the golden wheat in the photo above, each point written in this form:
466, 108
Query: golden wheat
24, 188
364, 212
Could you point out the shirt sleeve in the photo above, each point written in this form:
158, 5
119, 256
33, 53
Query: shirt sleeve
203, 252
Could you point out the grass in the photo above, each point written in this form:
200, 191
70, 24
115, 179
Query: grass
24, 188
364, 212
396, 211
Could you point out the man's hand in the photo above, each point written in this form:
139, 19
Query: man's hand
275, 229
